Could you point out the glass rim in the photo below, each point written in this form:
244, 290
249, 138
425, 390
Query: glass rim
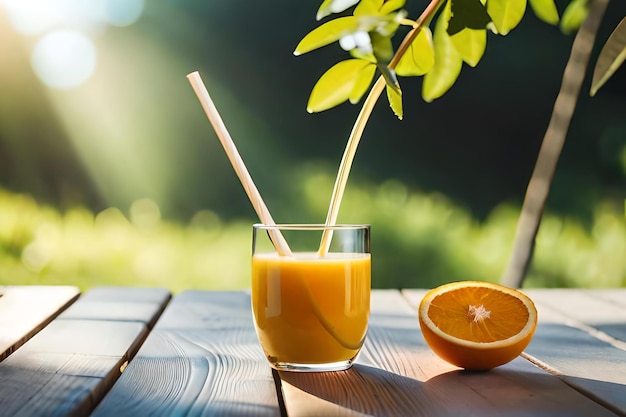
311, 226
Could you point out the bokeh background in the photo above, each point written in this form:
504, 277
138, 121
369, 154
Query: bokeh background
111, 174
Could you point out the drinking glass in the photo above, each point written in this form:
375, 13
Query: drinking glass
311, 306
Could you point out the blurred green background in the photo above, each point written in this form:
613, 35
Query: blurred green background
111, 174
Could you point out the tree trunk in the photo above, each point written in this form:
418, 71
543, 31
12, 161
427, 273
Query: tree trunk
553, 140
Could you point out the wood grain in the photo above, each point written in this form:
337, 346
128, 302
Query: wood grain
581, 338
69, 365
603, 310
25, 310
398, 375
143, 305
202, 358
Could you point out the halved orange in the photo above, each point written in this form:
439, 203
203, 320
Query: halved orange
477, 325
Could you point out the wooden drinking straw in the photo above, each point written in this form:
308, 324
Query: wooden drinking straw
237, 162
346, 164
253, 194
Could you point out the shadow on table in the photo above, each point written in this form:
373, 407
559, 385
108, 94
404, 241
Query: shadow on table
522, 391
366, 390
511, 390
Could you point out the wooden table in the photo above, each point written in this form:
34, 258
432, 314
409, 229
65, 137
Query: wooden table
141, 352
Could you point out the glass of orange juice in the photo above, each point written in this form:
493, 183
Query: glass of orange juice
311, 306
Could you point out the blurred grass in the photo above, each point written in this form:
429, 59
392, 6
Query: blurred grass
418, 240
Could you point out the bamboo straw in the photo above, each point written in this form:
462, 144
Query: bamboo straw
361, 121
346, 164
237, 162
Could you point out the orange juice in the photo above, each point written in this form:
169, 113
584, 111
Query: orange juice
311, 310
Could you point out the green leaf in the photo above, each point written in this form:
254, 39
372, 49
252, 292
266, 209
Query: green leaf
420, 57
378, 7
333, 30
545, 10
327, 33
469, 14
395, 101
506, 14
368, 7
329, 7
383, 49
391, 6
574, 15
356, 53
336, 85
363, 81
448, 64
611, 57
471, 44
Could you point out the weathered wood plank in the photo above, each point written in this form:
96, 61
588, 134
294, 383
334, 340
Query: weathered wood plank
25, 310
567, 342
601, 309
614, 295
398, 375
69, 365
143, 305
202, 358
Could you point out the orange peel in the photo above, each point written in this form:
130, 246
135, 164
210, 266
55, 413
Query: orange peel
477, 325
